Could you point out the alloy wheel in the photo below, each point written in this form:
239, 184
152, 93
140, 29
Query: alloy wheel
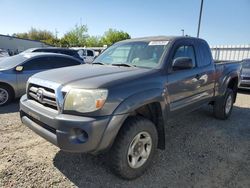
139, 150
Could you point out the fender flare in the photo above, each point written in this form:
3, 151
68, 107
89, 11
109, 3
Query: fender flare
225, 82
121, 113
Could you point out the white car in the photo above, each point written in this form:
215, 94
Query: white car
87, 55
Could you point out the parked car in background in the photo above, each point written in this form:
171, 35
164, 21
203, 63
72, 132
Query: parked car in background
87, 55
123, 100
16, 70
66, 51
245, 75
3, 53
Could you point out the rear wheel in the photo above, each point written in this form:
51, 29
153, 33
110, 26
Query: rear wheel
6, 95
134, 148
223, 106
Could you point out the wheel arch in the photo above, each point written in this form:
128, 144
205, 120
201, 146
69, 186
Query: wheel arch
153, 112
230, 81
233, 84
10, 87
139, 104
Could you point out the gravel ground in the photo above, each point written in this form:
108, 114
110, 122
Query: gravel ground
201, 152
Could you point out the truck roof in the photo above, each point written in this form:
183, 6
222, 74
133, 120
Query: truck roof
159, 38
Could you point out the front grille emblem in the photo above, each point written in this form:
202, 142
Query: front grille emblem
39, 95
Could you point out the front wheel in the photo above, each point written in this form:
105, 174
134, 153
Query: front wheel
134, 148
223, 106
6, 95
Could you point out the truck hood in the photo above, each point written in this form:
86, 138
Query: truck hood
91, 76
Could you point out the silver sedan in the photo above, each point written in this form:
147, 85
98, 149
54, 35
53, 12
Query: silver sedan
16, 70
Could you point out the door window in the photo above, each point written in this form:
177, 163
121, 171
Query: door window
41, 63
44, 63
185, 51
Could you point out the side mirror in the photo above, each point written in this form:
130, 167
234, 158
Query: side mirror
19, 68
182, 63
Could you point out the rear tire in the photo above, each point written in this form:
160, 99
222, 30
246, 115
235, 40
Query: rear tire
223, 105
6, 95
134, 148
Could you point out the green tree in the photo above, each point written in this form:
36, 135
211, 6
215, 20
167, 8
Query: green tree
63, 43
52, 41
36, 34
112, 36
93, 41
77, 36
21, 35
39, 35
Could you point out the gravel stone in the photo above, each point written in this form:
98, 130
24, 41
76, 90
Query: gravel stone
201, 151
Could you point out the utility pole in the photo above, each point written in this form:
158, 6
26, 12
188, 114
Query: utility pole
56, 32
182, 32
199, 24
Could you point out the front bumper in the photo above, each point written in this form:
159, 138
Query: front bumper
62, 129
245, 84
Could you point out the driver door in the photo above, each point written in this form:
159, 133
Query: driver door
183, 84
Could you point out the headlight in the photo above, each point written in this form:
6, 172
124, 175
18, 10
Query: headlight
85, 100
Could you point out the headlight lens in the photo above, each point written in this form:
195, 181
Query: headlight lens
85, 100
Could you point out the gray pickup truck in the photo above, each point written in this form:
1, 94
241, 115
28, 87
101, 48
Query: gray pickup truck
122, 102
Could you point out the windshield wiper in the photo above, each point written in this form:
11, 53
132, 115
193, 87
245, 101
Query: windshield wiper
98, 63
123, 64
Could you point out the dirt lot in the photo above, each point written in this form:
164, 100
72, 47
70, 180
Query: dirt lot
201, 152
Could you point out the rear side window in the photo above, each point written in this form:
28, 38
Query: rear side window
71, 53
59, 62
205, 54
185, 51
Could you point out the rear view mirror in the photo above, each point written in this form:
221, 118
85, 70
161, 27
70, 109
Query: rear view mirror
182, 63
19, 68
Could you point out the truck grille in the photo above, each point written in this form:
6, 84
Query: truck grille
245, 78
244, 85
42, 95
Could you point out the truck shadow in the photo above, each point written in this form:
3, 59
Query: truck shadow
244, 91
198, 148
10, 108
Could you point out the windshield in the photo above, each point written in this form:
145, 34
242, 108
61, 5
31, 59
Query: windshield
139, 54
246, 64
10, 62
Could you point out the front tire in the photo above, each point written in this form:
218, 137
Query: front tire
6, 95
134, 148
223, 105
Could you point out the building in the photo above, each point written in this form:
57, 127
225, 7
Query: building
16, 45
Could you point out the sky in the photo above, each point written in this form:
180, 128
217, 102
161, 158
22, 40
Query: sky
223, 21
